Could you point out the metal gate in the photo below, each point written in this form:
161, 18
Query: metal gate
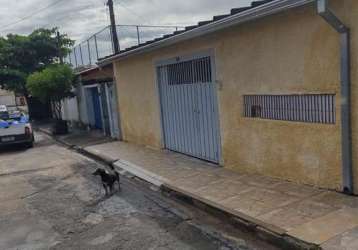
96, 108
189, 107
112, 108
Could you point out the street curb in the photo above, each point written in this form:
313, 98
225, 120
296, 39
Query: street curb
78, 149
264, 231
227, 240
56, 138
96, 157
140, 173
43, 131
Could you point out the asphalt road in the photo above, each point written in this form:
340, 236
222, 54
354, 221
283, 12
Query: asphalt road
50, 200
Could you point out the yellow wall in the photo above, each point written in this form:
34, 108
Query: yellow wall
138, 101
295, 52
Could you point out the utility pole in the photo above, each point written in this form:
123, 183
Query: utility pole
59, 47
113, 27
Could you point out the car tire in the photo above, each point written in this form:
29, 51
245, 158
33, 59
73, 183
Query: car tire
31, 144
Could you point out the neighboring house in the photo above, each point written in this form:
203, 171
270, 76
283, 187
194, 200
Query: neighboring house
95, 104
70, 111
258, 91
11, 100
7, 98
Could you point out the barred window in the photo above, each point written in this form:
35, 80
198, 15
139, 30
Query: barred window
189, 72
315, 108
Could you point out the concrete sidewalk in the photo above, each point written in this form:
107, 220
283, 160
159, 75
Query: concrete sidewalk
76, 138
319, 217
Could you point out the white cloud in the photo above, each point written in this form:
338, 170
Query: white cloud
81, 18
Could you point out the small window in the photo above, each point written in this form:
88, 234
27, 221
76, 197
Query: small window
317, 108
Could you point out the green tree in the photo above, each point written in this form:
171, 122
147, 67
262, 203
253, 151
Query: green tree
53, 84
21, 56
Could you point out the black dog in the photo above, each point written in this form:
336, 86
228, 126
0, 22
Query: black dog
108, 180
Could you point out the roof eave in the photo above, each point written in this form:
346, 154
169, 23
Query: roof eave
86, 70
245, 16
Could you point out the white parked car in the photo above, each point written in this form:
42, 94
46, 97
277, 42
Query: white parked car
14, 112
15, 130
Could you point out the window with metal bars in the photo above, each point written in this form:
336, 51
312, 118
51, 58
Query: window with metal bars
313, 108
189, 72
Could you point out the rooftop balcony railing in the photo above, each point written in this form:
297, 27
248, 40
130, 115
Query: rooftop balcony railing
100, 45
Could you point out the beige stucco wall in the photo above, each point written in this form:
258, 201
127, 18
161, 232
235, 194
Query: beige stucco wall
138, 101
288, 53
4, 92
7, 98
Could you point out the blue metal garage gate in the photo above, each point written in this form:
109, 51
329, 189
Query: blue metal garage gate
189, 107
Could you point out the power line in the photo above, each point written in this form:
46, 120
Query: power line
54, 21
5, 27
91, 5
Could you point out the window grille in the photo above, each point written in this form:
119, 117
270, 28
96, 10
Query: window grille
189, 72
315, 108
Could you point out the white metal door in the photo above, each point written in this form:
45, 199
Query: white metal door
189, 107
112, 107
89, 107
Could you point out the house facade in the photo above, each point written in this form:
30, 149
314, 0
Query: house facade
7, 98
95, 103
260, 91
11, 100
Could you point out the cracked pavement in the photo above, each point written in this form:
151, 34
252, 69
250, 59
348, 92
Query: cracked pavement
50, 200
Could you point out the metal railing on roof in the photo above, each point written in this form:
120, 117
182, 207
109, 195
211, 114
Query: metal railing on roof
100, 45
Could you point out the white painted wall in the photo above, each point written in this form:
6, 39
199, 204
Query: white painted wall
70, 109
82, 105
8, 100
